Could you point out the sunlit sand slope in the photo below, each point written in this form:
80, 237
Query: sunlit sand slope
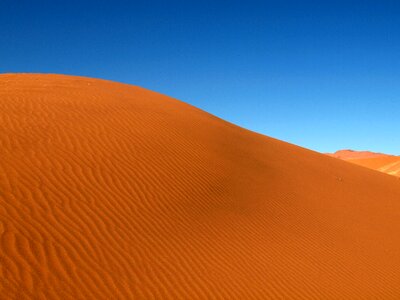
110, 191
389, 164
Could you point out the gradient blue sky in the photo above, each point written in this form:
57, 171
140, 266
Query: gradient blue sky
320, 74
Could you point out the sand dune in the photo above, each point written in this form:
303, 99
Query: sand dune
351, 154
389, 164
110, 191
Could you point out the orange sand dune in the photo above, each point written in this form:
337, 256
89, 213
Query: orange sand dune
110, 191
389, 164
351, 154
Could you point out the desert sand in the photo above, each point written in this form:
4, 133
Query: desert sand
389, 164
111, 191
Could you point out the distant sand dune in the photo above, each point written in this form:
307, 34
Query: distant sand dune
388, 164
110, 191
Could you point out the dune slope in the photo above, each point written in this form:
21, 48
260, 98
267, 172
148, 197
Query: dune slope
386, 164
110, 191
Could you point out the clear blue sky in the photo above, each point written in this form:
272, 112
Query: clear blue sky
320, 74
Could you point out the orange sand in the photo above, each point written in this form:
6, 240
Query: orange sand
389, 164
110, 191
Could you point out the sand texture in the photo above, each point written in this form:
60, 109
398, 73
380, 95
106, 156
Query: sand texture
388, 164
110, 191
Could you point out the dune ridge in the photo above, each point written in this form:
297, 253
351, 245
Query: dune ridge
111, 191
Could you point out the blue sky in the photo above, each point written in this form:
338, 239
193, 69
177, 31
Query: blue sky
320, 74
